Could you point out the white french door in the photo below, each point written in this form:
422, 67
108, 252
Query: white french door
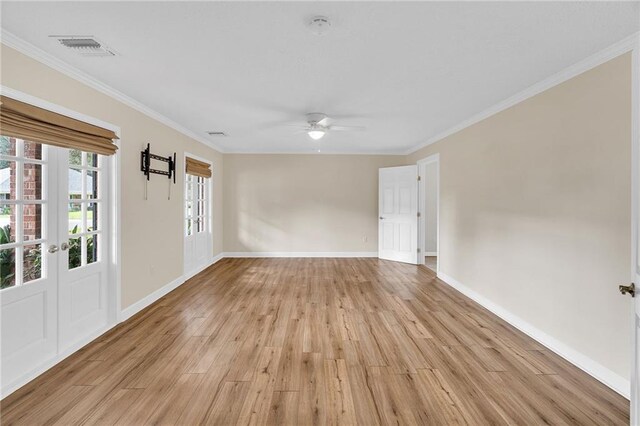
398, 214
53, 253
197, 226
83, 248
28, 272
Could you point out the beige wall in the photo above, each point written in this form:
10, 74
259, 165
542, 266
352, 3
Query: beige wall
535, 211
302, 203
431, 207
146, 225
535, 205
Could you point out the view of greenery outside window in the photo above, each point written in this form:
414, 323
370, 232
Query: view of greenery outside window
82, 209
75, 250
7, 259
33, 259
31, 254
7, 256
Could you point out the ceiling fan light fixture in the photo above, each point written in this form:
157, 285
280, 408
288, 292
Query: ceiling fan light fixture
319, 25
316, 134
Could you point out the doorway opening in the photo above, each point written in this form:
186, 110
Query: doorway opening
429, 208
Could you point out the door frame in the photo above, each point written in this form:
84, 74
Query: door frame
114, 193
635, 219
188, 274
434, 158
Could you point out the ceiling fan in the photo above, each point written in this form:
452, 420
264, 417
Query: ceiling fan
318, 124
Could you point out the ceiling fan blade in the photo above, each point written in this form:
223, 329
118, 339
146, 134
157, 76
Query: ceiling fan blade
324, 122
279, 124
297, 126
348, 128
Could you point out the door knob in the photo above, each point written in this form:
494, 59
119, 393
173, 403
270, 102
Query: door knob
64, 246
381, 218
53, 248
628, 289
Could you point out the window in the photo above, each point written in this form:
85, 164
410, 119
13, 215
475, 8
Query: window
22, 210
196, 215
84, 208
188, 199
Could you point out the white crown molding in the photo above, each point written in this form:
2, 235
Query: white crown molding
625, 45
621, 385
584, 65
28, 49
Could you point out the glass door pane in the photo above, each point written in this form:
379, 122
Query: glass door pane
189, 213
201, 205
23, 211
84, 206
83, 267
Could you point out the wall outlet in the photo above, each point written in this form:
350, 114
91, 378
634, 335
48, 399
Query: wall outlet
365, 239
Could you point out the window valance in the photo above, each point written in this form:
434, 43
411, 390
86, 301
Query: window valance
198, 168
24, 121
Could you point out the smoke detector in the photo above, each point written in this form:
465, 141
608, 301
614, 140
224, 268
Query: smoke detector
85, 45
319, 25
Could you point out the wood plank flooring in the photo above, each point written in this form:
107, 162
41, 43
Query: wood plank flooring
431, 262
314, 341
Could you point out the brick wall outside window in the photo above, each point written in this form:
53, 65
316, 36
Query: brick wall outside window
32, 190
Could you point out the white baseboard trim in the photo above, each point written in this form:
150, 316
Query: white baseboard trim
430, 253
26, 378
136, 307
195, 272
588, 365
301, 254
133, 309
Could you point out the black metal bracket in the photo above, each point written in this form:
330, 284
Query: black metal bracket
145, 164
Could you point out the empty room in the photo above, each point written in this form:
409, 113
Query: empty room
319, 213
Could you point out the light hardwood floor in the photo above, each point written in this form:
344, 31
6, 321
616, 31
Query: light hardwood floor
314, 341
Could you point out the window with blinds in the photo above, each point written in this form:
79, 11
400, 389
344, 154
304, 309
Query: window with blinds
23, 121
197, 168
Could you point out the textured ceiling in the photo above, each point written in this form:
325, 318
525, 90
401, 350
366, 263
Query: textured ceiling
406, 71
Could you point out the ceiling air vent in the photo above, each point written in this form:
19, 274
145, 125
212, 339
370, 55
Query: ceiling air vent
85, 45
219, 134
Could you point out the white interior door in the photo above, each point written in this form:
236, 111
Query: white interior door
398, 214
28, 272
83, 245
197, 238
